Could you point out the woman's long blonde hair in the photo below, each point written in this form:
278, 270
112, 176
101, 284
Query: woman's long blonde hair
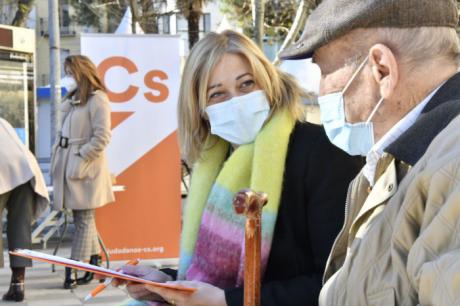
281, 89
85, 73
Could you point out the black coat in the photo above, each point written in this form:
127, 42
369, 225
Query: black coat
316, 179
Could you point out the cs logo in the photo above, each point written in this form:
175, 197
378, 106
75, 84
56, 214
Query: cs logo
149, 81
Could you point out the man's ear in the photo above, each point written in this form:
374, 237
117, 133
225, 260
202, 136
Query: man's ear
384, 69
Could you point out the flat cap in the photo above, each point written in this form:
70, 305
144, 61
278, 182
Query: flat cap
335, 18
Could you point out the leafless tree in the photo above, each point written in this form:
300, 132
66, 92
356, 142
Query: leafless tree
306, 6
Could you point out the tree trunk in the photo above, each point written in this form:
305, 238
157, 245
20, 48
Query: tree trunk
104, 23
24, 8
149, 18
259, 13
306, 6
458, 25
193, 22
134, 15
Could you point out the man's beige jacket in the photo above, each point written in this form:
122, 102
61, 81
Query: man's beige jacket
400, 244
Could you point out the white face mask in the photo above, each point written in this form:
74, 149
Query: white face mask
69, 83
239, 119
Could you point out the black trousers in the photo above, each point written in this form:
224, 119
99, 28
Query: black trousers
19, 205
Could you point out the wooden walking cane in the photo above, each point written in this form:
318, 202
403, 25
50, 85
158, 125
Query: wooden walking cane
250, 204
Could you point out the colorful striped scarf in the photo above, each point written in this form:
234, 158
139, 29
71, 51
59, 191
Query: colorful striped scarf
213, 234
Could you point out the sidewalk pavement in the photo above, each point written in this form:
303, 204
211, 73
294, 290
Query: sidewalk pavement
44, 288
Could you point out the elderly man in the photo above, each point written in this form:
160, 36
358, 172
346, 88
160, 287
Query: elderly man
390, 90
23, 193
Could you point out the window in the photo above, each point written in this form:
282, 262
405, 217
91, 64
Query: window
64, 17
166, 22
43, 27
16, 89
44, 79
181, 24
206, 22
64, 54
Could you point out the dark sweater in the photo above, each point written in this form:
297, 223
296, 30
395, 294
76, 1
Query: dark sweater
316, 179
310, 216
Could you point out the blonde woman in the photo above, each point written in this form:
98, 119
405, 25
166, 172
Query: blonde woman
81, 177
240, 125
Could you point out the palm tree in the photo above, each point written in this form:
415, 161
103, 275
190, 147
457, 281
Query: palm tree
24, 8
192, 11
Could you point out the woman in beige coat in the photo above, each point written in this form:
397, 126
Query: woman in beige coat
81, 177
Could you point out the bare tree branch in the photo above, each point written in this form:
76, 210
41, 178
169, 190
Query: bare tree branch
306, 6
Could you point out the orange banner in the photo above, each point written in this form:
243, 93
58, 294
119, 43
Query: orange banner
143, 223
142, 77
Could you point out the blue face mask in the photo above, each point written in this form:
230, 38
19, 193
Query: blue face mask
239, 119
356, 138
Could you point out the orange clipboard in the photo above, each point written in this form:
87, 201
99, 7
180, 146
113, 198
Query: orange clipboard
95, 269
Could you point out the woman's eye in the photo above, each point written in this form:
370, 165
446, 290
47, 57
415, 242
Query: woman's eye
215, 95
247, 84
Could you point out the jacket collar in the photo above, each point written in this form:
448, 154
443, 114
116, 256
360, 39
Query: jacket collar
74, 102
437, 114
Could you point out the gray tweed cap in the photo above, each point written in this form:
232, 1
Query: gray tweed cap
335, 18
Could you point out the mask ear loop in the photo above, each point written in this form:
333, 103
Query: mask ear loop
361, 66
374, 110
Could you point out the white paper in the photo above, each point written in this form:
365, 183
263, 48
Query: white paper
91, 268
78, 264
